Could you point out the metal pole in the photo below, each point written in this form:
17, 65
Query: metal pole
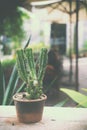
70, 44
76, 74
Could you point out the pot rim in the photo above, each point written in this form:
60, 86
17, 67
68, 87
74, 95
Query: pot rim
20, 99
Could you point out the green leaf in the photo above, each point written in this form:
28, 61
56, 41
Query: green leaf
2, 83
61, 104
84, 89
10, 87
79, 98
21, 87
48, 87
27, 42
17, 91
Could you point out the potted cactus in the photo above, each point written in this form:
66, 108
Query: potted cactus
29, 104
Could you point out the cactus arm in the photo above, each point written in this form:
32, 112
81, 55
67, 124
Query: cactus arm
31, 65
42, 64
21, 65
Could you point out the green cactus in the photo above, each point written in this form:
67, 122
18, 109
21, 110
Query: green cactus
27, 71
42, 64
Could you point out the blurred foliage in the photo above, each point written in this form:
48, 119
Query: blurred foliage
37, 47
8, 63
61, 103
82, 52
8, 90
77, 97
11, 25
85, 45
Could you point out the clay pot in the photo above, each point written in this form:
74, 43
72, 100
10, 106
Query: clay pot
29, 111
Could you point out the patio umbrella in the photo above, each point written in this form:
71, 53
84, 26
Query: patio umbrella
62, 7
74, 9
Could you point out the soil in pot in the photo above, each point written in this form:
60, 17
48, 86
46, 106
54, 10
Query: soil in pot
29, 111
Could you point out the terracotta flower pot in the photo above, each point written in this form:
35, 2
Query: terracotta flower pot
29, 111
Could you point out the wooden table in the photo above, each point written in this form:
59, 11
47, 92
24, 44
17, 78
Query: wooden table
54, 118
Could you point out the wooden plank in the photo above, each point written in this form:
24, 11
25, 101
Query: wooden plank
54, 118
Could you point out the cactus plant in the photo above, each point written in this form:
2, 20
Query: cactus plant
28, 72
